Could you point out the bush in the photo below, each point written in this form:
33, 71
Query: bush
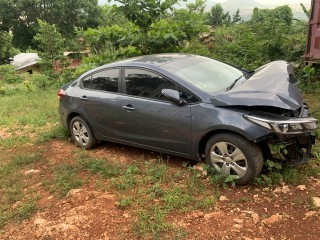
2, 90
39, 80
8, 74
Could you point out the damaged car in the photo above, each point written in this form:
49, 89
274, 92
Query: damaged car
194, 107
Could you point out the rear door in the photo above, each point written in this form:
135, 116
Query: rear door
150, 119
101, 103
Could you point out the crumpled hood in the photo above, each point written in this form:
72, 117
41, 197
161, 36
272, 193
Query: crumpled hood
270, 85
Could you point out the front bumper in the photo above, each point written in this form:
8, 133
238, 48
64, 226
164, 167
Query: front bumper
294, 149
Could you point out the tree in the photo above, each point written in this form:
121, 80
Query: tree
270, 35
283, 13
111, 15
304, 9
21, 16
50, 45
192, 20
218, 17
236, 18
5, 47
143, 12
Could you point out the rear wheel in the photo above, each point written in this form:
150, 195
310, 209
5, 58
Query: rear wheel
230, 154
82, 133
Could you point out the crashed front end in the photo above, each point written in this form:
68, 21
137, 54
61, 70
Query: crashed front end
276, 104
290, 139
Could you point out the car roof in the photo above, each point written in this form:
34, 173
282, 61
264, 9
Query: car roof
152, 61
157, 59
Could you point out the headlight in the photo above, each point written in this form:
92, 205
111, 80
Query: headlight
283, 125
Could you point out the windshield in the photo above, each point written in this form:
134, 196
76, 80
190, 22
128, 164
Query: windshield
206, 74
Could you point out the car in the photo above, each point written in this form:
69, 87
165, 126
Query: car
193, 107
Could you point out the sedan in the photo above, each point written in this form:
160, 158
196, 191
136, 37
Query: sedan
194, 107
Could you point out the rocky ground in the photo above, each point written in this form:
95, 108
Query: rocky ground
88, 212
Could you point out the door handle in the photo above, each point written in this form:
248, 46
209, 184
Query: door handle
84, 98
128, 108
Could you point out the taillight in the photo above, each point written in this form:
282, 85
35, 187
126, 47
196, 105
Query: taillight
61, 93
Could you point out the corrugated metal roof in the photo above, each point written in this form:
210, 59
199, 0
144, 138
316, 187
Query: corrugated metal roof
23, 60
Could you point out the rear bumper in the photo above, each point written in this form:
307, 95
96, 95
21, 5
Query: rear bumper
63, 116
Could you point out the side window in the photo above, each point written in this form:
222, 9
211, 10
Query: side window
86, 82
106, 80
187, 95
145, 83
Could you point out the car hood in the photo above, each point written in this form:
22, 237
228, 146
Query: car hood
270, 85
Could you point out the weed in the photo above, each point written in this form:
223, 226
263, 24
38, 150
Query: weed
224, 181
125, 202
57, 132
273, 165
26, 209
124, 182
65, 178
206, 202
270, 179
311, 203
33, 108
13, 142
12, 185
156, 171
151, 224
156, 191
177, 198
294, 176
99, 166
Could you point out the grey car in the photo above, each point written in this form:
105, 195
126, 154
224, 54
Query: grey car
194, 107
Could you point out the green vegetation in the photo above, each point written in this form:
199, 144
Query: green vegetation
145, 27
12, 185
65, 179
150, 189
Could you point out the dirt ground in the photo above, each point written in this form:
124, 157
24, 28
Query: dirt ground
249, 212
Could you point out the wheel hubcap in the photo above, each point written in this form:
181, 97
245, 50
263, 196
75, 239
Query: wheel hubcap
228, 159
80, 133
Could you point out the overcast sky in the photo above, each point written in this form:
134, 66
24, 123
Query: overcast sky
265, 2
278, 2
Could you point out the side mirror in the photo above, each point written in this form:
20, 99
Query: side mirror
173, 96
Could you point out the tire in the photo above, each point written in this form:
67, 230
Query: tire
82, 134
220, 153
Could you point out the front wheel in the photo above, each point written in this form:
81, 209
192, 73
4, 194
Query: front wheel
82, 133
231, 154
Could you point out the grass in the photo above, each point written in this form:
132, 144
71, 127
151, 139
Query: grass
12, 184
151, 190
98, 166
65, 178
28, 117
36, 108
152, 223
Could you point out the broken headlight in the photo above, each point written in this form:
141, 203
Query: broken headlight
284, 125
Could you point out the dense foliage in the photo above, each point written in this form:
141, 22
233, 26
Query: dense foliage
21, 16
136, 27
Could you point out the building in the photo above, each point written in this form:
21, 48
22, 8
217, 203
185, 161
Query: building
26, 62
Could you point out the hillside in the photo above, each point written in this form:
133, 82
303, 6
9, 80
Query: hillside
233, 5
245, 6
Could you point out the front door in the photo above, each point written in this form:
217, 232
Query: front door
150, 119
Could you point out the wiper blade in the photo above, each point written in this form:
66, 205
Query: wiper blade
234, 83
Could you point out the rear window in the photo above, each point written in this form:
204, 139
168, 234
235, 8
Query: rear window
105, 80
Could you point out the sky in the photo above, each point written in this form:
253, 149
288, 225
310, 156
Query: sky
274, 2
265, 2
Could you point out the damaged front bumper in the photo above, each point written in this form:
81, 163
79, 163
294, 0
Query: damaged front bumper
294, 149
290, 138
